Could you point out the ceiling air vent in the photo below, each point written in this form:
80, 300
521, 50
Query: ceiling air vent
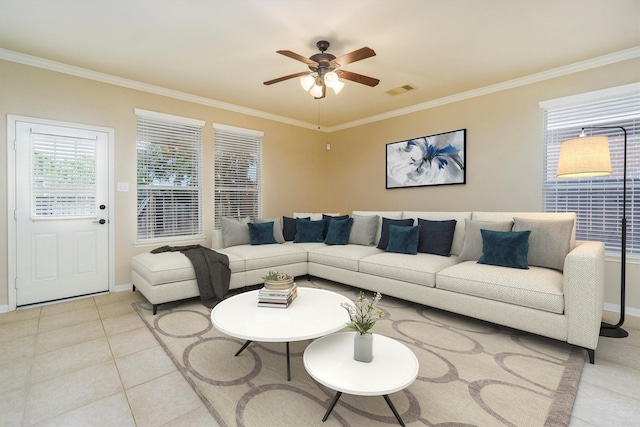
400, 90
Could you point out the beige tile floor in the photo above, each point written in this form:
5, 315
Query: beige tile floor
92, 362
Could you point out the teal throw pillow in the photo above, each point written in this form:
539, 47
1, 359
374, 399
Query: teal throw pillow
309, 231
386, 223
505, 248
261, 233
327, 221
403, 239
338, 231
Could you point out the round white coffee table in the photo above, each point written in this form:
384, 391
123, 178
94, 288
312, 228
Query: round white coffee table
329, 360
314, 313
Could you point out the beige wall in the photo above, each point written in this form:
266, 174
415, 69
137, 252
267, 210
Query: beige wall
504, 152
504, 156
295, 159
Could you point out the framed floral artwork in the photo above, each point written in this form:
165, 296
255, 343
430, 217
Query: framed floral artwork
427, 160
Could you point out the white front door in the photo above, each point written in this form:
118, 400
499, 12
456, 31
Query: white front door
62, 221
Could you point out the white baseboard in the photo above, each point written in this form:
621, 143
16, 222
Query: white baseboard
635, 312
123, 287
4, 308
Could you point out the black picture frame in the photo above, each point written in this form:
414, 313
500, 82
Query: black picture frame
425, 161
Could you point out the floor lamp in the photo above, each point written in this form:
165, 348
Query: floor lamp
589, 156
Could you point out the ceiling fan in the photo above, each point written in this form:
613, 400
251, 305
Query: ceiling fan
324, 70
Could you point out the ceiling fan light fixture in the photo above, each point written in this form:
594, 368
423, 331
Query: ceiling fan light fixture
330, 78
307, 81
316, 91
337, 87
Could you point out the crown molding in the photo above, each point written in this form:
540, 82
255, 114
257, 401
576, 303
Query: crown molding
588, 64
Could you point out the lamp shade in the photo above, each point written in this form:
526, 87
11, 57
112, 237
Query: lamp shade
316, 91
307, 81
584, 157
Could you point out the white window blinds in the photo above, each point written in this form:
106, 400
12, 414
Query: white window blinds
169, 152
598, 201
238, 164
63, 176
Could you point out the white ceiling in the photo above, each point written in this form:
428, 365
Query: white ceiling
224, 50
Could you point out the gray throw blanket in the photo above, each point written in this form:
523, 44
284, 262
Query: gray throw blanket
212, 271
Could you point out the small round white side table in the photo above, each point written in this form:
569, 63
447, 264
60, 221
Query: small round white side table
329, 360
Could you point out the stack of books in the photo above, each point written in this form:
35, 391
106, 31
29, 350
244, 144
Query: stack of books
278, 298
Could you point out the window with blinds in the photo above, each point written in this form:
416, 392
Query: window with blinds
597, 201
63, 177
238, 164
169, 151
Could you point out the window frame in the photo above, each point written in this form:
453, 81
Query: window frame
184, 137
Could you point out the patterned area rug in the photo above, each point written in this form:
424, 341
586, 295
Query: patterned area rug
471, 372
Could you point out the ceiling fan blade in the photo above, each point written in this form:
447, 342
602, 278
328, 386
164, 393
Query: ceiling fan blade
283, 78
358, 78
297, 57
354, 56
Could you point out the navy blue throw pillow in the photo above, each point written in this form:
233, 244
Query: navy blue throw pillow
327, 221
505, 248
289, 228
403, 240
386, 222
261, 233
436, 237
339, 231
309, 231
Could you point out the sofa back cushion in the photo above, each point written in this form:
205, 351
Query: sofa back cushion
381, 214
460, 217
508, 216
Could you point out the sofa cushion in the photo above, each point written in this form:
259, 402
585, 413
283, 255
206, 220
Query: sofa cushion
386, 222
235, 231
261, 234
550, 240
436, 237
267, 256
363, 230
403, 240
327, 221
289, 228
338, 231
419, 269
472, 246
460, 217
277, 228
380, 214
309, 230
505, 248
538, 288
346, 257
169, 267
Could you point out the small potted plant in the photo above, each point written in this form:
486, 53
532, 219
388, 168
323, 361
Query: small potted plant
362, 317
277, 280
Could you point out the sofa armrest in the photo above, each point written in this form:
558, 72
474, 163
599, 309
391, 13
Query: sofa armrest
584, 293
216, 240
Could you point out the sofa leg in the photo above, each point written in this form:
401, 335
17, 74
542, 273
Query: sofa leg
308, 277
134, 288
592, 355
155, 309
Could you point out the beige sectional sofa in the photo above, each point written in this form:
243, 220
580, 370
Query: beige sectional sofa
564, 305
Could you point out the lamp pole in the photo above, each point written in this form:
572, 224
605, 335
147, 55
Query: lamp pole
607, 329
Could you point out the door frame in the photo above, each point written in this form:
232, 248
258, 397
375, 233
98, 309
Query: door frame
12, 261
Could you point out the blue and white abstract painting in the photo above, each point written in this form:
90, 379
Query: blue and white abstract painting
428, 160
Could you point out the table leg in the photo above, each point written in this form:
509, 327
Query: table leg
331, 405
243, 347
393, 409
288, 364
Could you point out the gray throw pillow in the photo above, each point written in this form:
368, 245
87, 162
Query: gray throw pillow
472, 246
235, 231
363, 230
549, 242
277, 228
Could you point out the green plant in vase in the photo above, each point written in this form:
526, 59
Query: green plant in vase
363, 314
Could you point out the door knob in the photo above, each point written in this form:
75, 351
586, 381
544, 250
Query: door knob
101, 221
